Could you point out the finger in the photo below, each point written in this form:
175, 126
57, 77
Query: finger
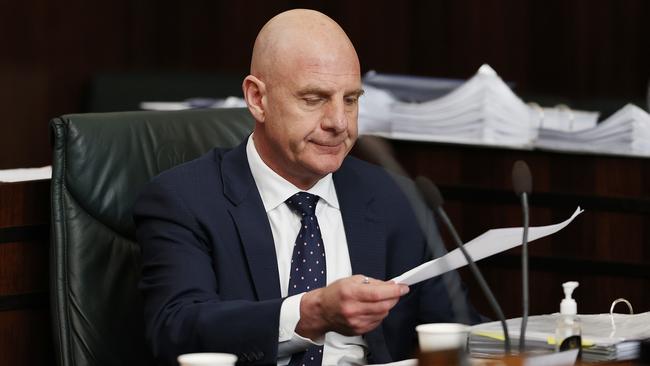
362, 279
366, 280
359, 325
377, 308
404, 288
368, 324
378, 291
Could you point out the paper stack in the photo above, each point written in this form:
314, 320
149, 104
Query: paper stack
626, 132
562, 118
483, 110
409, 88
605, 337
374, 111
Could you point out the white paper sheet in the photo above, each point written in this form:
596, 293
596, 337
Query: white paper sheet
25, 174
489, 243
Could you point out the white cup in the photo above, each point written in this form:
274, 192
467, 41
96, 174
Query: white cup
442, 336
207, 359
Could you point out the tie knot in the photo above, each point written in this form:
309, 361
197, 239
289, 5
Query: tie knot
303, 203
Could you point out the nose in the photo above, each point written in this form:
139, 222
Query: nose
335, 119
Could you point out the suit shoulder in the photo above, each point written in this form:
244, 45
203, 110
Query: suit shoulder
194, 177
371, 175
363, 168
205, 166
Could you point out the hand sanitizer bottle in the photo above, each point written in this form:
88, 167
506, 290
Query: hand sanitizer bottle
567, 330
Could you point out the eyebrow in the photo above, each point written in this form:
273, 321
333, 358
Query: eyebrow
324, 92
358, 93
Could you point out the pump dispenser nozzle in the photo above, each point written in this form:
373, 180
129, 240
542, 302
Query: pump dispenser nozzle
568, 331
568, 305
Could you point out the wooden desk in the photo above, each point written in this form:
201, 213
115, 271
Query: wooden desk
606, 249
25, 335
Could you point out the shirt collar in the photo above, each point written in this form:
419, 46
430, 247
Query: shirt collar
274, 189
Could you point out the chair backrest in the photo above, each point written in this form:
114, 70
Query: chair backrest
100, 163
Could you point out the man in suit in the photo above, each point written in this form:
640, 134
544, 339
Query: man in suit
231, 261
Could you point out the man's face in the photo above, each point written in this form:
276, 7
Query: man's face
310, 120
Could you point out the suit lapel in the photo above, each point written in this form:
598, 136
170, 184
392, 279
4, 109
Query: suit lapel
366, 243
252, 223
363, 230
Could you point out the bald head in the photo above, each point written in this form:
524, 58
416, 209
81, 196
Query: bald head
300, 38
303, 93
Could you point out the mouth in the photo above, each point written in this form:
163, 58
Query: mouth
329, 143
329, 147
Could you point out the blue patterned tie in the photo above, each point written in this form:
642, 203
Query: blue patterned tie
307, 263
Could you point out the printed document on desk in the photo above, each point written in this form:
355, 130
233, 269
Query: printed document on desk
605, 337
489, 243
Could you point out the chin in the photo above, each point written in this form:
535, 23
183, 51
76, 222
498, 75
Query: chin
323, 168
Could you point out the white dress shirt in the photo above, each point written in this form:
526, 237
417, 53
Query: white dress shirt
285, 224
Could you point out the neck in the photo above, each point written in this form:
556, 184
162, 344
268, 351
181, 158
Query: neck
303, 182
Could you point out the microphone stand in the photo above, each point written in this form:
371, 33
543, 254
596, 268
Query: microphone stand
522, 182
433, 198
524, 274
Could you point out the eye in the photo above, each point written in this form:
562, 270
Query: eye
351, 100
312, 101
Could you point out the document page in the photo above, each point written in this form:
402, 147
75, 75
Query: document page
489, 243
25, 174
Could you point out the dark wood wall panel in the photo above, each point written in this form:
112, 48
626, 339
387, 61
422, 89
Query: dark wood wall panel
24, 338
594, 295
50, 51
605, 248
25, 331
24, 203
24, 268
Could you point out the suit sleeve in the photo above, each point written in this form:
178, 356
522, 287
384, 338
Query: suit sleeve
183, 309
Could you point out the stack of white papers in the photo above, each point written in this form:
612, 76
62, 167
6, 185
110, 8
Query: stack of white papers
374, 110
483, 110
561, 118
605, 337
626, 132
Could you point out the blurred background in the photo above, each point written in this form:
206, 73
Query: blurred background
70, 56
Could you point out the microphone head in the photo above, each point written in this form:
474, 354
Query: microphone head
522, 180
429, 191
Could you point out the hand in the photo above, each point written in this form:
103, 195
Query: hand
348, 306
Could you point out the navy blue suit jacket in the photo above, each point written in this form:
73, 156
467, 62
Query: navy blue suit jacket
210, 278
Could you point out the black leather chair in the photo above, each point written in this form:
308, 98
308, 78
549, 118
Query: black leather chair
100, 163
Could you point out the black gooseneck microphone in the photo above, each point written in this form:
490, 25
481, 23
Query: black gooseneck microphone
379, 151
434, 200
522, 182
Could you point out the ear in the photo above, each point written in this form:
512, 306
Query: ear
255, 94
